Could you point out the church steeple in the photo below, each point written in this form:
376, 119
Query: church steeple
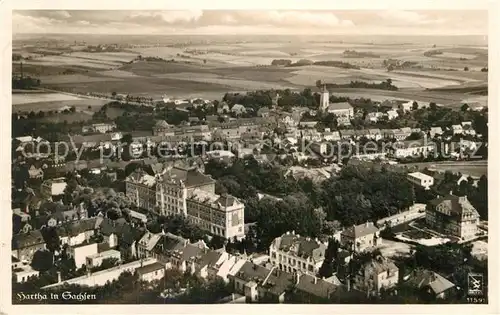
324, 99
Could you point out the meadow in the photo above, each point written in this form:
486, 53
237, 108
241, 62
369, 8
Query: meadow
210, 70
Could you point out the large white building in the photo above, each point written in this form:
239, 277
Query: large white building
421, 179
188, 192
293, 253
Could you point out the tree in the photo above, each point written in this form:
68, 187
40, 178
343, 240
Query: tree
390, 68
113, 94
466, 68
464, 108
415, 105
42, 261
318, 83
330, 263
433, 106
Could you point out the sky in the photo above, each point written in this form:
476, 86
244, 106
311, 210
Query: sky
232, 22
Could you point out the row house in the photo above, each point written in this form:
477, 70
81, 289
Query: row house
331, 135
412, 148
308, 124
311, 135
140, 188
293, 253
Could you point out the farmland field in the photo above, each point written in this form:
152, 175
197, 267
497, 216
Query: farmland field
212, 69
80, 104
26, 98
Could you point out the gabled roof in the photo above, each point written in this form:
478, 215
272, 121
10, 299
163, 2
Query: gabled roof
339, 106
321, 288
301, 246
360, 230
24, 240
457, 205
252, 272
423, 278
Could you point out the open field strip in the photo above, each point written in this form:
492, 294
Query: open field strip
106, 57
81, 104
75, 78
18, 99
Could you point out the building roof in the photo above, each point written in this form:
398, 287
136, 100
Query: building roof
315, 286
301, 246
190, 177
457, 205
162, 124
214, 200
170, 242
379, 265
278, 282
75, 228
252, 272
360, 230
24, 240
339, 106
420, 176
150, 268
422, 278
210, 258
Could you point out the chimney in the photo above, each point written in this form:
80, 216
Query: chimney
451, 192
367, 224
293, 232
59, 280
315, 280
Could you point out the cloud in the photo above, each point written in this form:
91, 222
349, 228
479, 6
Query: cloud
408, 18
248, 22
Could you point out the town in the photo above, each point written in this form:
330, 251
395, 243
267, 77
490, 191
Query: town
326, 164
257, 218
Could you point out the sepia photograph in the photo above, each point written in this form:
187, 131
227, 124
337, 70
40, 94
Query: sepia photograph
249, 157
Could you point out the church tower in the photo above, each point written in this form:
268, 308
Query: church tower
324, 100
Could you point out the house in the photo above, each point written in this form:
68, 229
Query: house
35, 173
348, 134
25, 245
263, 112
223, 108
361, 237
100, 127
76, 233
464, 178
343, 111
421, 179
238, 109
80, 253
65, 214
162, 128
214, 264
259, 284
331, 135
392, 114
151, 272
22, 272
308, 124
377, 274
430, 283
375, 134
457, 129
293, 253
310, 289
137, 217
373, 117
435, 131
147, 243
453, 216
121, 235
407, 107
398, 134
54, 187
412, 148
95, 260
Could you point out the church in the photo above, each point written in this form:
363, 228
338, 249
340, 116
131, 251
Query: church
343, 111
